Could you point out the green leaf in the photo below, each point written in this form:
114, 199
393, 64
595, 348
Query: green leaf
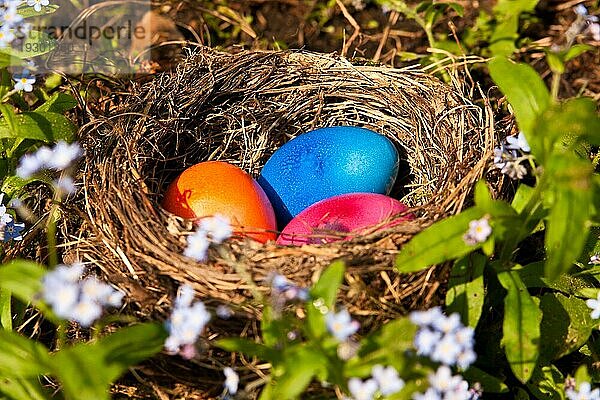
571, 210
440, 242
566, 325
387, 346
58, 103
36, 44
577, 50
574, 119
466, 288
27, 11
9, 115
8, 60
555, 62
532, 276
506, 30
23, 389
23, 279
22, 357
301, 365
328, 284
323, 296
131, 345
489, 383
44, 126
522, 197
110, 358
5, 309
521, 326
547, 383
582, 374
526, 92
483, 197
81, 374
249, 348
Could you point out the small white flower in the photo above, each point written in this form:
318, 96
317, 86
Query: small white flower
479, 231
362, 390
286, 289
341, 325
448, 324
94, 290
44, 155
68, 273
585, 392
499, 157
37, 4
218, 227
594, 260
185, 296
186, 323
232, 380
5, 218
594, 304
6, 36
86, 312
10, 16
442, 380
430, 394
62, 297
594, 31
465, 358
464, 336
24, 83
446, 350
428, 317
115, 299
197, 246
425, 340
518, 143
581, 9
77, 300
515, 170
224, 312
29, 164
64, 154
65, 184
279, 283
387, 379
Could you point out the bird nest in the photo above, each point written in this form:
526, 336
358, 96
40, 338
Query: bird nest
240, 108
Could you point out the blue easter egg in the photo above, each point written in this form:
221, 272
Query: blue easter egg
327, 162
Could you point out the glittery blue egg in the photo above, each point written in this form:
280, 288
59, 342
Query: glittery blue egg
327, 162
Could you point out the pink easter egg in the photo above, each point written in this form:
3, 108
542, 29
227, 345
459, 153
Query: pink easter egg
327, 220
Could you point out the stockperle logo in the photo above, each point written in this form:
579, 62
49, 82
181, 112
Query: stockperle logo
107, 37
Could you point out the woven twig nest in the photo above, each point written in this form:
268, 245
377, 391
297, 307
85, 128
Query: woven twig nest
240, 108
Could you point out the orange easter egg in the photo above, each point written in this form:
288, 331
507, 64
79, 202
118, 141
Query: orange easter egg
216, 187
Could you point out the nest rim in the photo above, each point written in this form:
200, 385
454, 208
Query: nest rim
120, 202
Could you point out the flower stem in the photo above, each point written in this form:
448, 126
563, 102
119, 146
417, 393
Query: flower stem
556, 77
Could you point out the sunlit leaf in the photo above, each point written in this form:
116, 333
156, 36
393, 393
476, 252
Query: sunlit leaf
527, 94
440, 242
22, 357
23, 279
44, 126
569, 214
466, 292
521, 328
566, 325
